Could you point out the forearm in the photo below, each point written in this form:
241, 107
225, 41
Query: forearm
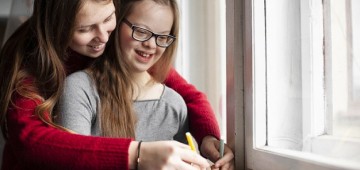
35, 144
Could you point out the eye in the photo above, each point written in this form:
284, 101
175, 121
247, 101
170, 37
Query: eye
109, 18
163, 38
85, 29
142, 31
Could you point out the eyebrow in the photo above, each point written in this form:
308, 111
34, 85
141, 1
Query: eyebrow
84, 26
147, 28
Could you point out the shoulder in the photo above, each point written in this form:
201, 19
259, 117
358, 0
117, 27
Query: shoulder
78, 79
78, 76
171, 97
80, 82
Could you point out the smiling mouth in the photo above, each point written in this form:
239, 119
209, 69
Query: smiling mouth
142, 54
97, 47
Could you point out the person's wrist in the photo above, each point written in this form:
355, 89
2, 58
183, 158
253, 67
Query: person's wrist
133, 154
138, 156
207, 139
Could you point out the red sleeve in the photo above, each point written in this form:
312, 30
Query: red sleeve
32, 144
201, 116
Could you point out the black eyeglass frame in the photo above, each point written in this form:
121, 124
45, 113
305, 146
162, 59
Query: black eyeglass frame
133, 27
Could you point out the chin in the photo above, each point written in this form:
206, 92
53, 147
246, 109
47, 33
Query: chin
94, 55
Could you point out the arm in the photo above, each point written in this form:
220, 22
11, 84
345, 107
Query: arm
202, 120
78, 105
32, 143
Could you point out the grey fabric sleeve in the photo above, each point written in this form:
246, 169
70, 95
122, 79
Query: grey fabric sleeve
78, 104
178, 103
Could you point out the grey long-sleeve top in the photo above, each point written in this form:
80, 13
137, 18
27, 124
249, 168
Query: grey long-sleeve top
160, 119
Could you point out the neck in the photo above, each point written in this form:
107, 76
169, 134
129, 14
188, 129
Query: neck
145, 87
142, 79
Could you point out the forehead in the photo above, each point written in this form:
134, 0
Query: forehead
151, 14
94, 11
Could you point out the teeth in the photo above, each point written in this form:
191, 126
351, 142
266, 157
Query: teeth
144, 55
96, 47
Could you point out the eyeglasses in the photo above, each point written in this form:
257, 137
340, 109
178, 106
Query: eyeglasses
142, 34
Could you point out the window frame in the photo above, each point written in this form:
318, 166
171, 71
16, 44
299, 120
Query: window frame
257, 154
235, 80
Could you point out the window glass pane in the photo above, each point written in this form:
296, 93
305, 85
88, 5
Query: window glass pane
307, 83
345, 66
283, 74
313, 77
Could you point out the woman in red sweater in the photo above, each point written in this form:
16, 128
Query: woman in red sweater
31, 64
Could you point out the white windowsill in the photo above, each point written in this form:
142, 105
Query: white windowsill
339, 148
282, 159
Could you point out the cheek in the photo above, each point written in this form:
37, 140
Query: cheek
160, 51
126, 41
80, 40
111, 26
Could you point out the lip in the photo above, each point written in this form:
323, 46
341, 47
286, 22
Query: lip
144, 57
97, 48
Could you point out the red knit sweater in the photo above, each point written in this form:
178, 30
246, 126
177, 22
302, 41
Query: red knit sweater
32, 144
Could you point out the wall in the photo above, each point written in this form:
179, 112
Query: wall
4, 12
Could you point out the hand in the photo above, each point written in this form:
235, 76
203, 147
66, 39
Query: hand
210, 149
170, 155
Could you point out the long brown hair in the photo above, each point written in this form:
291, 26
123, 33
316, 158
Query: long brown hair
31, 61
113, 83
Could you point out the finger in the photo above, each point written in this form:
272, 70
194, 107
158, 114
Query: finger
214, 168
192, 157
228, 157
225, 167
179, 164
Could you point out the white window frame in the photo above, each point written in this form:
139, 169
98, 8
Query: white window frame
248, 106
235, 121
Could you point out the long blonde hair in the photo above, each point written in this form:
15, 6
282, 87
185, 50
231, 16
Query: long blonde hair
113, 81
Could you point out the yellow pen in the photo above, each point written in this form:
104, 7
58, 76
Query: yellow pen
190, 141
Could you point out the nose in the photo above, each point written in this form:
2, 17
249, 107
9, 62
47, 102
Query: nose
102, 35
151, 43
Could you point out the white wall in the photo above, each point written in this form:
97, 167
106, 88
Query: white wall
201, 58
5, 7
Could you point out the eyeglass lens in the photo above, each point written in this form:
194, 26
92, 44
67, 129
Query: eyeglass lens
142, 34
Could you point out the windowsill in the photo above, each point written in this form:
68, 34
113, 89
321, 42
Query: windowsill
278, 159
339, 148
